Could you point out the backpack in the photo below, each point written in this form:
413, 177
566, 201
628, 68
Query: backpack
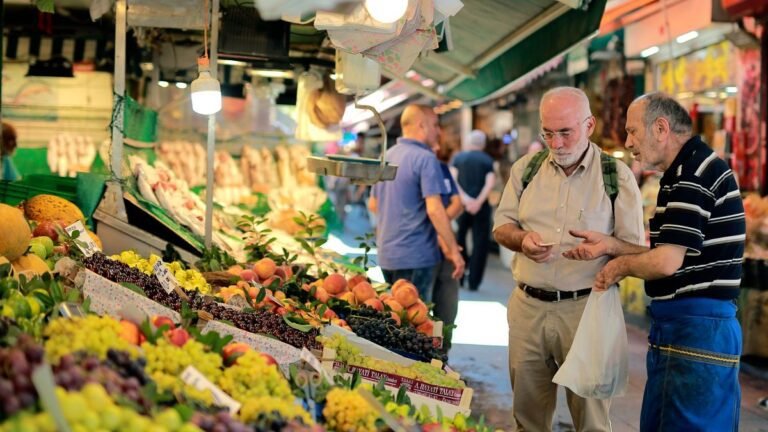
607, 164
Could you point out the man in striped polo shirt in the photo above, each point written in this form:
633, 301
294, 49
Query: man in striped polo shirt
692, 273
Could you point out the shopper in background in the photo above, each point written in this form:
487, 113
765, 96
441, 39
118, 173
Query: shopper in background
410, 210
693, 273
7, 147
474, 173
540, 204
446, 290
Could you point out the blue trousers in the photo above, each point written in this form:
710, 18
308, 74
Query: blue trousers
693, 367
422, 278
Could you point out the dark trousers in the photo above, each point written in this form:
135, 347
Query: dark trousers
480, 224
446, 299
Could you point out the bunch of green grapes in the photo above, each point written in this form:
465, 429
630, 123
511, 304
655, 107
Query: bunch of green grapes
166, 362
351, 354
92, 334
92, 409
345, 410
253, 408
239, 380
398, 410
189, 279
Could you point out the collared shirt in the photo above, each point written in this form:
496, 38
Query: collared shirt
553, 203
473, 166
405, 237
699, 207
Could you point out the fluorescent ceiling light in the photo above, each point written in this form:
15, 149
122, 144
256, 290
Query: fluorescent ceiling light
683, 38
732, 89
685, 95
710, 94
649, 51
181, 85
333, 76
618, 154
271, 73
162, 83
228, 62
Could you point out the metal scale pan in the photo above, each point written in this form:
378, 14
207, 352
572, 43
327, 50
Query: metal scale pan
359, 170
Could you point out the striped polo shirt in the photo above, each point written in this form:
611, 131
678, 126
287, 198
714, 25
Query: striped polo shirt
699, 207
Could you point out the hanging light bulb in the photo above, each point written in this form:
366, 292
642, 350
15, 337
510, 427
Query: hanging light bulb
386, 11
206, 91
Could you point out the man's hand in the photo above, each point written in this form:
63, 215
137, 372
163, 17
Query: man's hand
458, 263
532, 249
612, 273
594, 246
473, 206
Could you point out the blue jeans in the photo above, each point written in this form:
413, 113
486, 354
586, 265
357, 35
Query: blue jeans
693, 367
422, 278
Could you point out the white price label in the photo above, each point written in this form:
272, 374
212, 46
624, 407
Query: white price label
310, 358
83, 241
193, 377
42, 379
167, 280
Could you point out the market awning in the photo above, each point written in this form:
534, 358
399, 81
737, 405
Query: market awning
497, 42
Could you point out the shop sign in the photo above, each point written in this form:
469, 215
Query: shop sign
706, 69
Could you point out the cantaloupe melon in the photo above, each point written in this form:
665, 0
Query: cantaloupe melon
30, 265
50, 208
14, 232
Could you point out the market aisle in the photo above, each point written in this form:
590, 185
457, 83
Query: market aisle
480, 355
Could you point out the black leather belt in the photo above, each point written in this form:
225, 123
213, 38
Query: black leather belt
554, 296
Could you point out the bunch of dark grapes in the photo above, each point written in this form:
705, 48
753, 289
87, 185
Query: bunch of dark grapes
122, 363
76, 370
380, 328
123, 273
16, 366
219, 422
264, 322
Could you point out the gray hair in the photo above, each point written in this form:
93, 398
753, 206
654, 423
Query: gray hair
475, 141
571, 91
661, 105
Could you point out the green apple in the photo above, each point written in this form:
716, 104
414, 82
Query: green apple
39, 250
45, 241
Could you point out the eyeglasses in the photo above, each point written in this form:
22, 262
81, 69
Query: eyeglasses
565, 134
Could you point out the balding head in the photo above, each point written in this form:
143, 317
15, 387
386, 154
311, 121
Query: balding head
566, 123
419, 122
570, 98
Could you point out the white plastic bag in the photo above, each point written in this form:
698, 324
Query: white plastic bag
596, 365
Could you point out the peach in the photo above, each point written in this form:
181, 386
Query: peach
395, 317
363, 291
129, 332
233, 348
335, 283
375, 303
322, 295
385, 296
178, 336
242, 285
394, 305
265, 268
418, 313
356, 279
397, 284
159, 321
329, 314
427, 328
248, 275
349, 298
406, 295
235, 270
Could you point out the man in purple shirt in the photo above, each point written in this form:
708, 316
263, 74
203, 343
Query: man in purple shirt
410, 210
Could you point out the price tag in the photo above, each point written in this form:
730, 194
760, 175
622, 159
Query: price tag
310, 358
83, 241
167, 280
193, 377
42, 379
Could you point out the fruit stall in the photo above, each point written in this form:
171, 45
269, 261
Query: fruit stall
125, 341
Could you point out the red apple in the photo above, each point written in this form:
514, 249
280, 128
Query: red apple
248, 275
47, 229
233, 348
178, 336
270, 360
159, 321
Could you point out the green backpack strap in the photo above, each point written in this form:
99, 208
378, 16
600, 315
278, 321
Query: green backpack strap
533, 167
610, 176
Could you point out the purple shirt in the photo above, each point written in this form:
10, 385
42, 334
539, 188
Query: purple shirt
405, 237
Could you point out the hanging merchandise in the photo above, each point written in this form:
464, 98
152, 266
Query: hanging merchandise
326, 106
308, 83
69, 154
